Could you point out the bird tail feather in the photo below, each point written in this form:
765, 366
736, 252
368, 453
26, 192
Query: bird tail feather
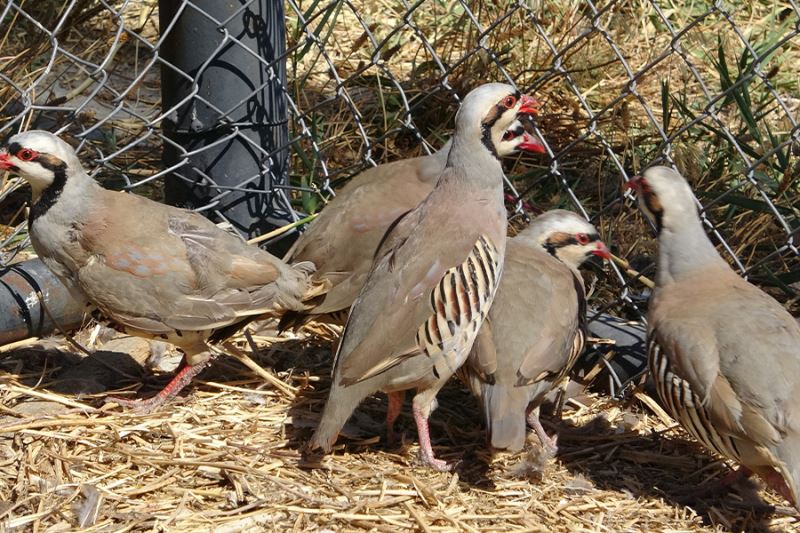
504, 407
789, 465
342, 401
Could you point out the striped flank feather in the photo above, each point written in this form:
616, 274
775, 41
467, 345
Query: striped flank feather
687, 407
460, 303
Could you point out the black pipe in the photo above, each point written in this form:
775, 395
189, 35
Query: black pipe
226, 76
628, 357
23, 315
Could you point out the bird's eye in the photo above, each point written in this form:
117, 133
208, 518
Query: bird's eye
582, 238
26, 154
509, 101
508, 135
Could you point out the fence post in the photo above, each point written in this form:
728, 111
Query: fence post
208, 75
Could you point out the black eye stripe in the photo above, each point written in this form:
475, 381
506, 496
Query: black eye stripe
488, 123
591, 237
562, 239
15, 149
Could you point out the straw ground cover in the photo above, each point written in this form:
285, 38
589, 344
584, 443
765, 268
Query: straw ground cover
226, 455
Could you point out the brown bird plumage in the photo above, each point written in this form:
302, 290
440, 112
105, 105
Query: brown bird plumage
342, 240
536, 327
725, 356
433, 279
156, 270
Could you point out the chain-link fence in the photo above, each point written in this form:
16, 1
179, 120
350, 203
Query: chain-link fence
258, 127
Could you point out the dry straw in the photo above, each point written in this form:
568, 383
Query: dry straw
226, 457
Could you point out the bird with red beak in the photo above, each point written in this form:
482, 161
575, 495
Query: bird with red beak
154, 270
536, 329
432, 280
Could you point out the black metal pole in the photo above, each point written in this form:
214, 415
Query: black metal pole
222, 75
23, 315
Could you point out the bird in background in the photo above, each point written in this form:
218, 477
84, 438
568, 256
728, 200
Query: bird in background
536, 328
433, 279
342, 240
724, 355
157, 271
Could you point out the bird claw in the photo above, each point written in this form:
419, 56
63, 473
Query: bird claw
440, 465
140, 407
550, 445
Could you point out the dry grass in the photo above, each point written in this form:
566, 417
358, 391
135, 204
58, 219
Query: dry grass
408, 77
226, 456
400, 73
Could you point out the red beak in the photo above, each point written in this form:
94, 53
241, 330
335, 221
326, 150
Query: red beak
530, 105
531, 143
601, 250
5, 164
635, 183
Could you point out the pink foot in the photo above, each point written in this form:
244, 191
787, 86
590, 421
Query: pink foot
425, 448
439, 465
181, 379
550, 444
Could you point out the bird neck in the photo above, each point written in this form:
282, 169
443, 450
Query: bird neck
684, 249
470, 158
68, 188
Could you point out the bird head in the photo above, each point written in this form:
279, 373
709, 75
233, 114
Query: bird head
566, 236
664, 195
39, 157
488, 112
519, 138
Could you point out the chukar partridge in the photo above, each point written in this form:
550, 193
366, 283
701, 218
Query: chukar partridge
724, 355
156, 270
433, 279
536, 327
342, 240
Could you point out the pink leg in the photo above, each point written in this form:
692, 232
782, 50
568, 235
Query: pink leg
775, 481
181, 379
426, 450
392, 412
550, 444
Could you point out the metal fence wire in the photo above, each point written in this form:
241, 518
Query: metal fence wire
253, 112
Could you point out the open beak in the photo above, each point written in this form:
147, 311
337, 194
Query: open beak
530, 105
5, 163
531, 143
601, 250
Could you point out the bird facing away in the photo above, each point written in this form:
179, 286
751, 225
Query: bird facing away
433, 279
536, 327
724, 355
155, 270
342, 240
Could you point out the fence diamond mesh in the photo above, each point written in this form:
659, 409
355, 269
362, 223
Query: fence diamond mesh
254, 112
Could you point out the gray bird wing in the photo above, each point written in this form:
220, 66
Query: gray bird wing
342, 241
738, 350
418, 298
535, 317
174, 269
